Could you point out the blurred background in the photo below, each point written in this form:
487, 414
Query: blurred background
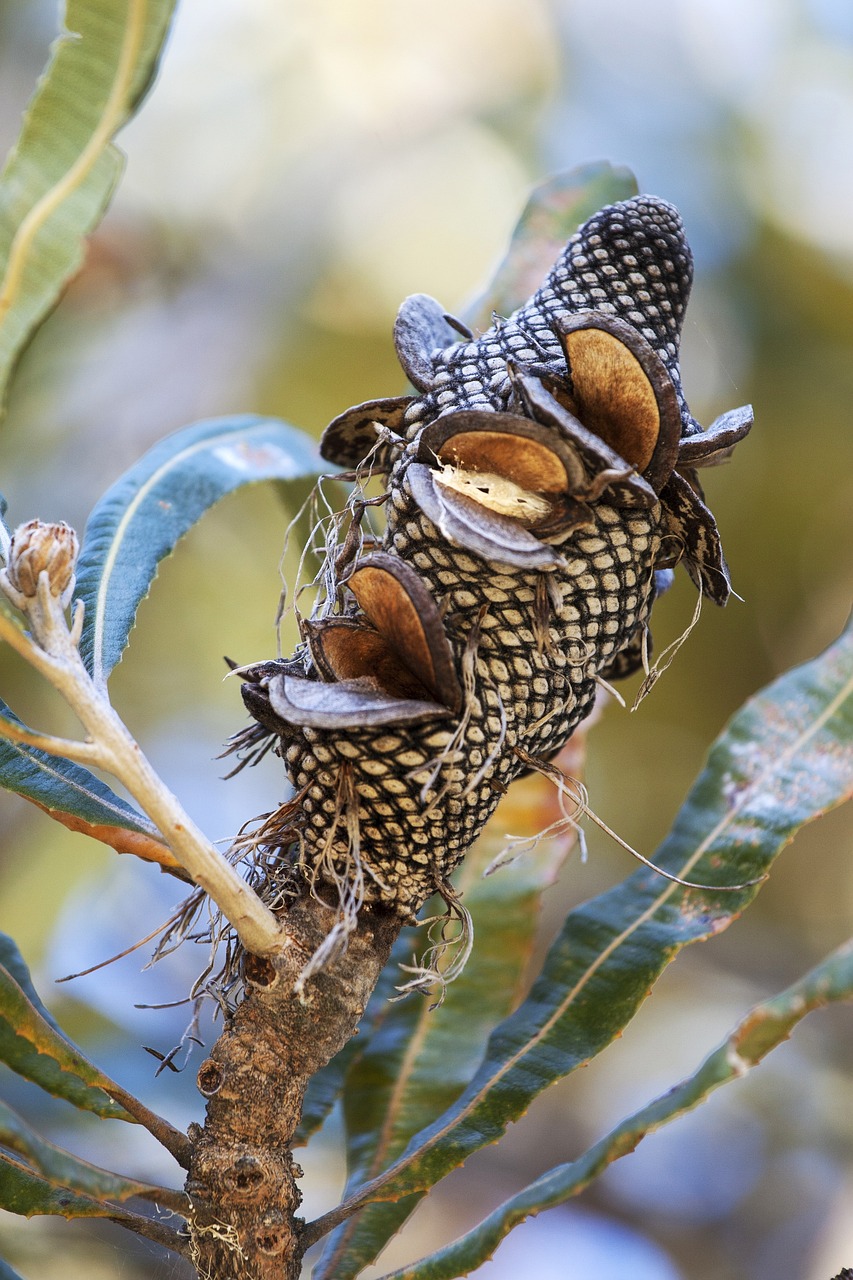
299, 169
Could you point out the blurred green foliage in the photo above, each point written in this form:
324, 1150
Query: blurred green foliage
296, 172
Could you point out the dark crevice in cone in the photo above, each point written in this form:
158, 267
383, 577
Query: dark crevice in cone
401, 608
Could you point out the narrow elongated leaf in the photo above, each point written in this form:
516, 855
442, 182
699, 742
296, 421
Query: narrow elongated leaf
32, 1045
141, 518
57, 784
60, 176
25, 1192
784, 759
420, 1058
16, 966
61, 1168
764, 1028
554, 212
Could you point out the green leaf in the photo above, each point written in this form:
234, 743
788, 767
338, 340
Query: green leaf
554, 211
16, 966
418, 1061
61, 1168
58, 785
785, 758
33, 1046
25, 1192
59, 178
766, 1027
141, 518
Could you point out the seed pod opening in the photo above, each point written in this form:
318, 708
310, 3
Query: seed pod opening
623, 392
403, 611
347, 649
466, 523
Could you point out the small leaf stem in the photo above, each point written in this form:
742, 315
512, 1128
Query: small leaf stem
52, 650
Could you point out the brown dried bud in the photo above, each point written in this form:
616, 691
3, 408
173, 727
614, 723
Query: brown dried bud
37, 547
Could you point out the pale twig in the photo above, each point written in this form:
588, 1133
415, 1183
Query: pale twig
53, 649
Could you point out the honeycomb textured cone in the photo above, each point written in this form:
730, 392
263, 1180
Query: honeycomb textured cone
385, 811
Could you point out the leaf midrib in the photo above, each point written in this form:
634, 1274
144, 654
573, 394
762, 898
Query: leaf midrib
115, 111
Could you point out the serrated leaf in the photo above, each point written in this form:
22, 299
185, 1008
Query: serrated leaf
24, 1192
32, 1045
554, 211
59, 178
61, 1168
784, 759
141, 518
420, 1058
58, 785
764, 1028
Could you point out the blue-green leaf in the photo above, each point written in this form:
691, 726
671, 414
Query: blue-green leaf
141, 518
764, 1028
6, 1272
58, 785
785, 758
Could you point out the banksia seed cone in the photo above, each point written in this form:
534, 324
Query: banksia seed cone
540, 486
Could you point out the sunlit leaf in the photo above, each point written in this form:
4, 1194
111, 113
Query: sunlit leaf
61, 1168
419, 1059
764, 1028
141, 518
553, 213
33, 1046
784, 759
61, 174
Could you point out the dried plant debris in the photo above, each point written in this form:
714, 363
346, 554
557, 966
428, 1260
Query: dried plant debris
538, 490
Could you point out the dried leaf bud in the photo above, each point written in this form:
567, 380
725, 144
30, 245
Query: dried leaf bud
36, 547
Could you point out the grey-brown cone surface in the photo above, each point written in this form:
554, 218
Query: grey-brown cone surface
540, 486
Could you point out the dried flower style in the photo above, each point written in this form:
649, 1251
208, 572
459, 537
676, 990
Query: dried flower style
539, 490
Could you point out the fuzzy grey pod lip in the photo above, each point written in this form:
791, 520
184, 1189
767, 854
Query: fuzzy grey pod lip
421, 328
349, 704
694, 531
716, 444
351, 436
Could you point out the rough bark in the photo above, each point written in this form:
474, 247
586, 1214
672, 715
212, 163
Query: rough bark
242, 1176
